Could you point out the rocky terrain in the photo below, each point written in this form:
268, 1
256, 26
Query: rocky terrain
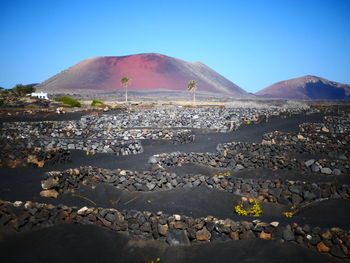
208, 184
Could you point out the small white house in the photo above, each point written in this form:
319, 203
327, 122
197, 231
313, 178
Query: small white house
40, 95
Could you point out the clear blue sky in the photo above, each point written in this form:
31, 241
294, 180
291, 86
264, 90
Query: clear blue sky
252, 43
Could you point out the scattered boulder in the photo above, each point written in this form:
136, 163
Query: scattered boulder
122, 173
321, 247
52, 182
326, 170
203, 234
33, 159
274, 224
177, 217
325, 129
266, 236
84, 211
152, 160
288, 234
234, 235
178, 237
163, 229
309, 162
247, 235
327, 235
150, 186
336, 172
49, 193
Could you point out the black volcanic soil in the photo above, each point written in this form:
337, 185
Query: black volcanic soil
82, 243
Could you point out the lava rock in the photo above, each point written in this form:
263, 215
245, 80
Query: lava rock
266, 236
337, 252
326, 170
178, 238
321, 247
49, 193
50, 183
203, 234
309, 162
288, 234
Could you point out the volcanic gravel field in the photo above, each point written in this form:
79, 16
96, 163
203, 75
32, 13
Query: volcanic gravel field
162, 185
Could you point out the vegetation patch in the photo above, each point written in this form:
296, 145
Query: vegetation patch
22, 90
189, 106
117, 106
288, 214
68, 101
251, 208
156, 260
291, 213
18, 91
220, 175
97, 103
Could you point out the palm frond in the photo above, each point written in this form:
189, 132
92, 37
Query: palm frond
191, 85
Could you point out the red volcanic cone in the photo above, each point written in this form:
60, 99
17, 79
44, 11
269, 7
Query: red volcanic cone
149, 72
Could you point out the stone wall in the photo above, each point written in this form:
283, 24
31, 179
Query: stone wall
93, 145
73, 130
175, 230
250, 160
296, 193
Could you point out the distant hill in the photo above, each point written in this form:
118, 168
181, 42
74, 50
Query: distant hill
148, 72
307, 87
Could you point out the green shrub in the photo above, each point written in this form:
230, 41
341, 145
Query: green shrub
1, 102
97, 103
68, 101
22, 90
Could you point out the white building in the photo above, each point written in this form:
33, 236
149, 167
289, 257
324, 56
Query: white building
40, 95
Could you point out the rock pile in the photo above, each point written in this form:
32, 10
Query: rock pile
173, 229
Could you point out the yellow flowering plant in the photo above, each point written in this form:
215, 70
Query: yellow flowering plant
255, 210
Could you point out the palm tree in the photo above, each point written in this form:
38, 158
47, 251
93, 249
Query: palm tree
192, 86
125, 82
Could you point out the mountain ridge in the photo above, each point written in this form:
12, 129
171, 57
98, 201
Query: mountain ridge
306, 87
